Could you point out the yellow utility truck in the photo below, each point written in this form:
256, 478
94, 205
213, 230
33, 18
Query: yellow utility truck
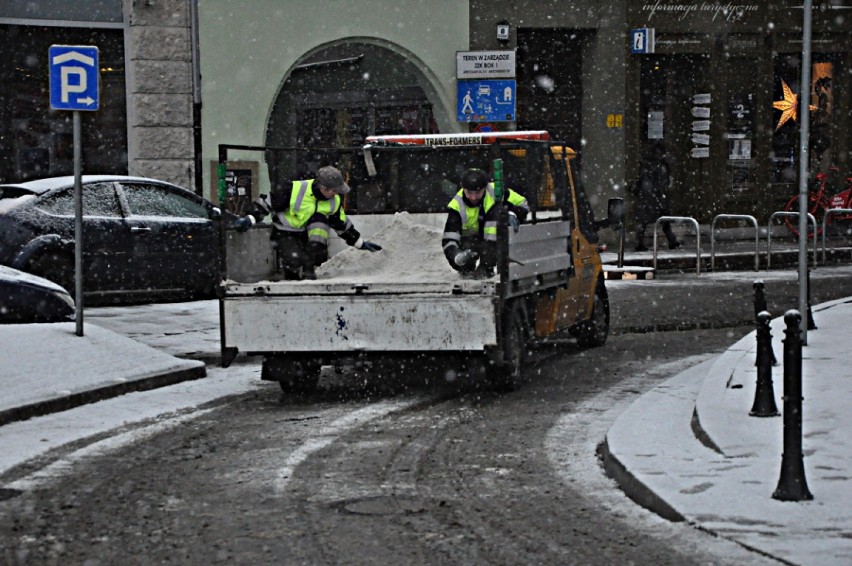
405, 306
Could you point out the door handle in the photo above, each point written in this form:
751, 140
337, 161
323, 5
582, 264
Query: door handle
139, 229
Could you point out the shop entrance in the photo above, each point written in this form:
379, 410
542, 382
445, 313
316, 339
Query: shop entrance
668, 86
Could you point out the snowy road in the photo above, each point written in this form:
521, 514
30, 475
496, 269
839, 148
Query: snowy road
221, 469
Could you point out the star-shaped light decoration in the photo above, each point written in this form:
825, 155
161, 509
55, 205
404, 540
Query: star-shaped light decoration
788, 105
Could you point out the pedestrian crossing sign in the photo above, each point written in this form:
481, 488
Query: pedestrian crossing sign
486, 100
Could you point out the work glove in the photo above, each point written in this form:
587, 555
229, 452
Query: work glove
465, 258
243, 223
370, 246
514, 222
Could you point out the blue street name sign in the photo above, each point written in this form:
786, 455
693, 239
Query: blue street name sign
74, 77
486, 101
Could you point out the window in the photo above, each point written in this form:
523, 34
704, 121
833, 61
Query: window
152, 200
825, 128
98, 200
36, 142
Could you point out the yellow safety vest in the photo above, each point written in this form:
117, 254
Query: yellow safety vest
303, 204
470, 214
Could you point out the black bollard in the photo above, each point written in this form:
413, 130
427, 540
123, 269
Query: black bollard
759, 298
759, 307
764, 393
811, 324
792, 485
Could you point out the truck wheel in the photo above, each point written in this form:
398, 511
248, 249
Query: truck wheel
593, 332
507, 376
294, 376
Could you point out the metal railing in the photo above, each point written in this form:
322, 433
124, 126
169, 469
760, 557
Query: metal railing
681, 219
748, 217
828, 213
769, 234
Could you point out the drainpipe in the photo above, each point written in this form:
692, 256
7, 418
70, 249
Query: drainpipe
196, 97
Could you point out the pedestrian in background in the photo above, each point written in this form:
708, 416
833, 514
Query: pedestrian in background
652, 198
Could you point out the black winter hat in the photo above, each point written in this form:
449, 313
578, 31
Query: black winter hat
474, 180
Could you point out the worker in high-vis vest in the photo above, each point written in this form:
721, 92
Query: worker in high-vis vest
303, 213
470, 232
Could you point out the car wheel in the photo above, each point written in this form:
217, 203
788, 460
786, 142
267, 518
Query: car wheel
293, 375
56, 266
594, 332
507, 376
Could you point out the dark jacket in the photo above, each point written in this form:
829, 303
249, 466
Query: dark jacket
278, 201
652, 188
453, 241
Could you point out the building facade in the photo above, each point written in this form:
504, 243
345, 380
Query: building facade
710, 89
180, 77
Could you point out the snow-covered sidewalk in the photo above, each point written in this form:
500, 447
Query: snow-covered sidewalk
47, 367
654, 451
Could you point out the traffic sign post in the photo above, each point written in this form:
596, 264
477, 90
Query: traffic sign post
74, 85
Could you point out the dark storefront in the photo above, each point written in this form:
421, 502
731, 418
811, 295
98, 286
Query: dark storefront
715, 92
550, 86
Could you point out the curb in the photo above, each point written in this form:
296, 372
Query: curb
73, 400
633, 487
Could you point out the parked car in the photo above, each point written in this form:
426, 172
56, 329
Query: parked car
25, 298
142, 238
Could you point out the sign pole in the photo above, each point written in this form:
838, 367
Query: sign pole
78, 224
74, 85
804, 117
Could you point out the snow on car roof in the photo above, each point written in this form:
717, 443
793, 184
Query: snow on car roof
43, 185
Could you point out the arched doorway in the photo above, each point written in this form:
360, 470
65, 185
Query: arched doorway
339, 94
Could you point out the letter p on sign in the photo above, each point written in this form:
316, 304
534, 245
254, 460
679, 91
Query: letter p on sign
69, 84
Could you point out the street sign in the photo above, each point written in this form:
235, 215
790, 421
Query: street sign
703, 139
700, 125
642, 40
485, 101
74, 77
700, 152
485, 64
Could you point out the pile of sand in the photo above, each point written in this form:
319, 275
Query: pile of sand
411, 253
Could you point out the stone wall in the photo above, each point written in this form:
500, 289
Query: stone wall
159, 83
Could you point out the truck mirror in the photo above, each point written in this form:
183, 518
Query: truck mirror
615, 212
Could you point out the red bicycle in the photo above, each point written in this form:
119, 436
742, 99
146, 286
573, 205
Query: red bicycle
818, 202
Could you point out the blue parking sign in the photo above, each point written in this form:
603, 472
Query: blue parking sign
74, 77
